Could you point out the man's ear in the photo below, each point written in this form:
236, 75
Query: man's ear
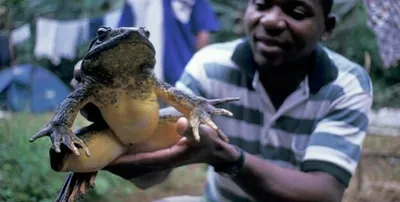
330, 24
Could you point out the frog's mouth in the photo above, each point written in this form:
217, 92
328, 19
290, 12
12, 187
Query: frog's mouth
115, 41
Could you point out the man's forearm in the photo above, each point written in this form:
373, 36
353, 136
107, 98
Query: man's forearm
265, 181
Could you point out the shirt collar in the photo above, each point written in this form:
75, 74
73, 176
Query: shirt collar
323, 72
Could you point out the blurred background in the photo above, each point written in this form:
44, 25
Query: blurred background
41, 40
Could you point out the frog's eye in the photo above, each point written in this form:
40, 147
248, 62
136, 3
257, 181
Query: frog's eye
102, 33
147, 33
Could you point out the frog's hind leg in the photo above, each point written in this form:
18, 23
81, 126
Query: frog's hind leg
105, 148
100, 139
75, 186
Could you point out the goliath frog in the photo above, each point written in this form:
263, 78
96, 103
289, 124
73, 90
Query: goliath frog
117, 77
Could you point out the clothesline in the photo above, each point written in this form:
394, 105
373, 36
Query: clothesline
56, 39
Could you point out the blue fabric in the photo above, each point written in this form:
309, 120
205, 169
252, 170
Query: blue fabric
4, 50
33, 88
94, 24
5, 79
128, 18
180, 37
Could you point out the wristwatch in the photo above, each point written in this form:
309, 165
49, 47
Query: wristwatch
231, 170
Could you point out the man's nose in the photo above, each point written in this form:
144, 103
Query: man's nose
273, 20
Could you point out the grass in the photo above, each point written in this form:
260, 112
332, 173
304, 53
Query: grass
25, 174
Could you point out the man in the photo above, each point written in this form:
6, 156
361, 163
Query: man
187, 28
297, 131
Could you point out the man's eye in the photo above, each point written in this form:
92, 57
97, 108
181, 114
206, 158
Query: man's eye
298, 12
262, 4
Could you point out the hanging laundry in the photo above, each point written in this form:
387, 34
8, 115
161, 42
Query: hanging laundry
21, 34
383, 18
111, 19
66, 44
155, 24
45, 44
56, 39
139, 9
60, 39
83, 31
94, 24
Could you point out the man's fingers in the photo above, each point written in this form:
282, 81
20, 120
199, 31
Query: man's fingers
158, 158
182, 126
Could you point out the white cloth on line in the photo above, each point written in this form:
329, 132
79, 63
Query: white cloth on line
21, 34
46, 33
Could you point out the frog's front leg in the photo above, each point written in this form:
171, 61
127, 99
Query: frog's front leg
196, 109
59, 127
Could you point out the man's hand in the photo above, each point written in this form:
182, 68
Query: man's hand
210, 150
258, 178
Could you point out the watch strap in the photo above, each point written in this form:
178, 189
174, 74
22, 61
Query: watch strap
232, 169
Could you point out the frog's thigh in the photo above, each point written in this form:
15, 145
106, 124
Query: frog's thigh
103, 145
165, 135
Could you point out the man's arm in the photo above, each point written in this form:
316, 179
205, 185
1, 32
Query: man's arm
330, 159
265, 181
202, 39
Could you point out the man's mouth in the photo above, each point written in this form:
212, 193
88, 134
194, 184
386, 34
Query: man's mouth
270, 45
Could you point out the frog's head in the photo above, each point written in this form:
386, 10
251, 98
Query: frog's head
119, 51
108, 39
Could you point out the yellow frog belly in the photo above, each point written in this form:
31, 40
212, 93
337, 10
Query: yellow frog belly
132, 121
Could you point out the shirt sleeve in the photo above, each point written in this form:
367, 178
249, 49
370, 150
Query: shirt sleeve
335, 144
203, 17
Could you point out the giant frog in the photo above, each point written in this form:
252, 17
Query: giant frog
117, 77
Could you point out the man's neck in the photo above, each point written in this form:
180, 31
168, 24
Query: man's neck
281, 82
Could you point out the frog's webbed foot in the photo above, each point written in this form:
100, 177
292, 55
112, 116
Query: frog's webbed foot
75, 187
58, 134
202, 112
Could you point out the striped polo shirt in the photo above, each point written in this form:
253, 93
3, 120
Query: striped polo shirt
319, 127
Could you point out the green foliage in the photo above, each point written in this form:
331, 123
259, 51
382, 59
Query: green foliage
25, 173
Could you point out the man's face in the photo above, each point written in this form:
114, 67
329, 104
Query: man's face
282, 32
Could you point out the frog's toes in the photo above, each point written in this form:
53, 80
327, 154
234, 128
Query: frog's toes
202, 114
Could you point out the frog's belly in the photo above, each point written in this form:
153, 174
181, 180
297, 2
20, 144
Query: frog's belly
132, 121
